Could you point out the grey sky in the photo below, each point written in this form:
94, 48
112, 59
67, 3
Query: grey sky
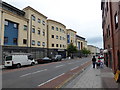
83, 16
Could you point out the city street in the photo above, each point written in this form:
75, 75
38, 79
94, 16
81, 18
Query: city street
40, 75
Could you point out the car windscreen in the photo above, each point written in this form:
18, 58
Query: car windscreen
8, 58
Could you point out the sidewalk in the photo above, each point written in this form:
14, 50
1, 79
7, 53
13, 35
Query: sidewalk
94, 78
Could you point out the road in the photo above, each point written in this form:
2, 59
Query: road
39, 75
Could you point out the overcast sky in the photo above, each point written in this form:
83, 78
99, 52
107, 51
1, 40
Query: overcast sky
83, 16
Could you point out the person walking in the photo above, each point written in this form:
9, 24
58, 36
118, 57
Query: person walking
94, 61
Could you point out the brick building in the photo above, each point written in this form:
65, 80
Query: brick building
111, 33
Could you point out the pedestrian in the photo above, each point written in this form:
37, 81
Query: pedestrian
94, 61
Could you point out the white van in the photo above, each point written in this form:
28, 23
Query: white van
18, 60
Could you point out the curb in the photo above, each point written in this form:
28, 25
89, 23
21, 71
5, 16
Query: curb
72, 77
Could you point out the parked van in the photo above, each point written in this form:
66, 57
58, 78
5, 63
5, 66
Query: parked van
57, 58
18, 60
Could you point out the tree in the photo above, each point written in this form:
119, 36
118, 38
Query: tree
85, 51
71, 49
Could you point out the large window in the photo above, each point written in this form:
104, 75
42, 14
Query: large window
39, 21
43, 22
33, 30
56, 28
56, 45
57, 37
24, 41
116, 21
33, 17
52, 36
38, 43
33, 42
39, 32
43, 44
5, 40
15, 40
52, 45
25, 27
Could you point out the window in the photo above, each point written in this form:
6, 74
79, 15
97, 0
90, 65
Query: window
43, 44
56, 28
43, 32
63, 46
24, 41
116, 21
5, 40
33, 30
52, 27
60, 45
38, 43
33, 17
52, 36
60, 38
52, 45
39, 32
33, 42
15, 25
60, 29
39, 21
6, 23
56, 37
43, 22
56, 45
15, 40
25, 27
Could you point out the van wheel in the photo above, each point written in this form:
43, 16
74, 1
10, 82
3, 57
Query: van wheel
18, 65
32, 64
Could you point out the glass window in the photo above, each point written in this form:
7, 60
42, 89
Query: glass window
56, 45
15, 40
6, 23
43, 32
5, 40
56, 37
60, 29
15, 25
39, 21
60, 45
60, 38
116, 21
33, 30
25, 27
33, 42
38, 43
56, 28
43, 22
24, 41
39, 32
52, 36
52, 45
8, 58
43, 44
52, 27
33, 17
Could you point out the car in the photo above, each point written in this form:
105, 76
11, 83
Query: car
44, 60
57, 58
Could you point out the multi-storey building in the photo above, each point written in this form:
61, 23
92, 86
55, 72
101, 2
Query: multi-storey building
93, 49
81, 42
37, 28
111, 32
57, 39
71, 36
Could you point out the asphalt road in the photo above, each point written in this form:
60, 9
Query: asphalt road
38, 75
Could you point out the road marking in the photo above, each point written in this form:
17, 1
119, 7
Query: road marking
33, 73
25, 75
51, 79
74, 68
70, 63
59, 66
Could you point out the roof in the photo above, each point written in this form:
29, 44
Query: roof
56, 22
71, 30
28, 7
80, 37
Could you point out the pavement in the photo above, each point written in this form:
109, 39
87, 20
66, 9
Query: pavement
94, 78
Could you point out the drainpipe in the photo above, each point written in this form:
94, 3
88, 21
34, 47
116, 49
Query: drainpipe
112, 33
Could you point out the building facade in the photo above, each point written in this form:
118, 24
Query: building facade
93, 49
57, 39
111, 32
71, 36
81, 42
